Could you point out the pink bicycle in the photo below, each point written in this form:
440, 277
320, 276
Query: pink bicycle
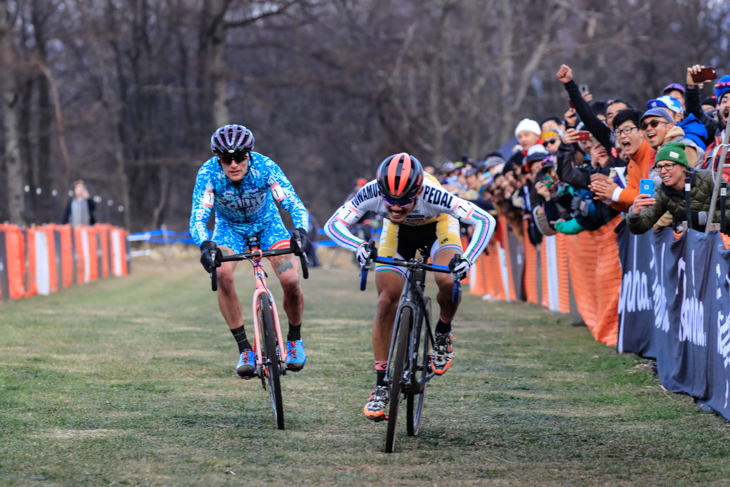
271, 358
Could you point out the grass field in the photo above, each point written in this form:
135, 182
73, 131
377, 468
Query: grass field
130, 382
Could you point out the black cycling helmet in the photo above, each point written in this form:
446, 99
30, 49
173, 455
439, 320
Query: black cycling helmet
400, 176
231, 140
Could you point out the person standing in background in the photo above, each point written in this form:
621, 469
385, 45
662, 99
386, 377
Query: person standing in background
80, 207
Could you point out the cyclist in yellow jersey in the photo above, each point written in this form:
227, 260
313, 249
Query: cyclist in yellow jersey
418, 212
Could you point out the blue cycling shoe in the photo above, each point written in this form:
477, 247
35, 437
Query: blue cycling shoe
295, 356
246, 364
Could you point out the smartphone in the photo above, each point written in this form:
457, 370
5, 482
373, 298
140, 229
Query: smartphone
584, 135
570, 102
646, 186
583, 89
705, 74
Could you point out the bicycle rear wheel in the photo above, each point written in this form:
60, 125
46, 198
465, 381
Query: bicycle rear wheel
271, 358
414, 402
395, 369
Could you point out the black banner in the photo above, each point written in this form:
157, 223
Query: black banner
682, 356
687, 326
639, 304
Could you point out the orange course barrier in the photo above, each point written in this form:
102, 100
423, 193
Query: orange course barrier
589, 261
15, 260
40, 260
492, 273
596, 274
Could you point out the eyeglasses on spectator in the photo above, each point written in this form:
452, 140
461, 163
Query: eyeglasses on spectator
665, 167
626, 131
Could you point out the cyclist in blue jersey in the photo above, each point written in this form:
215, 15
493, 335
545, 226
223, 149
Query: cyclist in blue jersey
243, 186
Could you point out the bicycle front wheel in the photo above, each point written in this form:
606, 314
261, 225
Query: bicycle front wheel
414, 401
271, 358
395, 369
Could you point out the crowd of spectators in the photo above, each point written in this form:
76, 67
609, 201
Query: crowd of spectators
578, 171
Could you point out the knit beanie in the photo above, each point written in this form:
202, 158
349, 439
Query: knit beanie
528, 125
722, 87
551, 134
672, 151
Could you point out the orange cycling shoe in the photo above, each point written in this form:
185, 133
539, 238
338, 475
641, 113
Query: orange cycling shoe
443, 353
377, 402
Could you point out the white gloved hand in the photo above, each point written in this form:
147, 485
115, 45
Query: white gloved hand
459, 268
363, 256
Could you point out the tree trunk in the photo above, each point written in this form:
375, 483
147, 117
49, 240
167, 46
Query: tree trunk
164, 188
218, 66
8, 85
46, 210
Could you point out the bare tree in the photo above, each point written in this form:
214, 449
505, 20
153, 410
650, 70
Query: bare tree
9, 88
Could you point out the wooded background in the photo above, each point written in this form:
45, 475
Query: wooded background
125, 94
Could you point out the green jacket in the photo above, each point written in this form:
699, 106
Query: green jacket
671, 200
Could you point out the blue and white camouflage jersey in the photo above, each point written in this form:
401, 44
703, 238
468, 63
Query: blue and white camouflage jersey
246, 209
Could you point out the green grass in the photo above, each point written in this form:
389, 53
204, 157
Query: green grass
130, 382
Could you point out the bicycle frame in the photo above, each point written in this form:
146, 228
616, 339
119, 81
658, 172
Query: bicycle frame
412, 298
260, 277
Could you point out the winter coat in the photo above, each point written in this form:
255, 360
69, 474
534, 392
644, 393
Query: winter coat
693, 153
695, 131
693, 101
671, 200
638, 168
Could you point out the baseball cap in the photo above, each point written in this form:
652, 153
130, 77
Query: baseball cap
665, 102
657, 112
673, 86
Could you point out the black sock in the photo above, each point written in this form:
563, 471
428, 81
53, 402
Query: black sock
295, 332
442, 327
381, 378
240, 335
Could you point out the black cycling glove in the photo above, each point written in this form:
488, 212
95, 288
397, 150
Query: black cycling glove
207, 259
301, 234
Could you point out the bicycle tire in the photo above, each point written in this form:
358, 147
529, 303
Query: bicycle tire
414, 402
396, 370
272, 357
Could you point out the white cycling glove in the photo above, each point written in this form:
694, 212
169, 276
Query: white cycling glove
363, 256
459, 268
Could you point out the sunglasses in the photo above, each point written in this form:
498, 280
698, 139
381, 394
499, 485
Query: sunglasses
400, 201
551, 141
228, 160
652, 123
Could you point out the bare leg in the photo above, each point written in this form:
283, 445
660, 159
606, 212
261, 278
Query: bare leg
287, 270
390, 287
446, 285
228, 300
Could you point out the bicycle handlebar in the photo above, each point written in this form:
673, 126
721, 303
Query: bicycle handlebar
257, 254
412, 265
